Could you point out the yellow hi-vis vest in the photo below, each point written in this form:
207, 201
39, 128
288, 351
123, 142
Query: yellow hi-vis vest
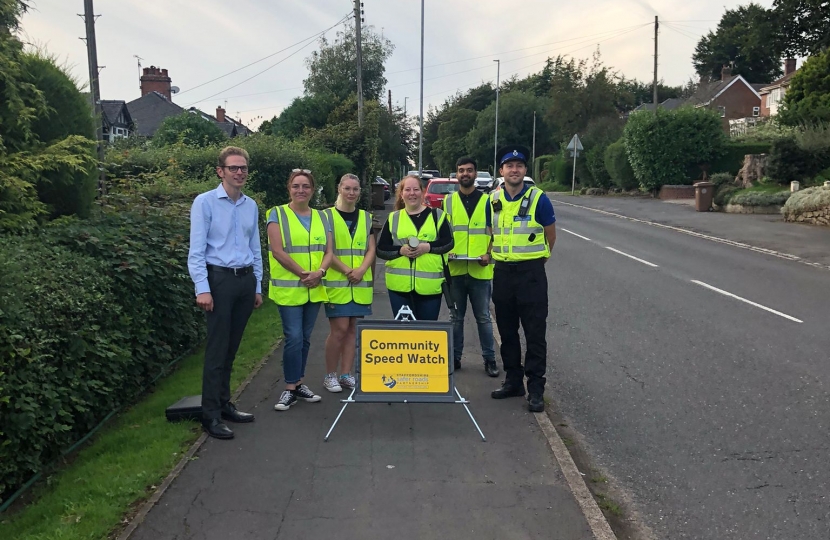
306, 248
512, 233
351, 251
424, 274
470, 235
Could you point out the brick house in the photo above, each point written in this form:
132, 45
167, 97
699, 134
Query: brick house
773, 95
732, 96
156, 104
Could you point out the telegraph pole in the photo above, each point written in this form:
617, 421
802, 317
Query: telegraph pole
533, 150
358, 20
496, 135
94, 89
656, 26
421, 120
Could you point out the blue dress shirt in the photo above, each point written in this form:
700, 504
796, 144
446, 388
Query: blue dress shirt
223, 233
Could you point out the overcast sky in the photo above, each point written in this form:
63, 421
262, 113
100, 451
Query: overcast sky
198, 40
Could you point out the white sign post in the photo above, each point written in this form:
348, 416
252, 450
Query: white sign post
575, 146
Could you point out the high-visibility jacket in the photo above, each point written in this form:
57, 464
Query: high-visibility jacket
470, 235
306, 248
424, 274
518, 238
351, 250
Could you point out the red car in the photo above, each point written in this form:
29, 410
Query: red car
437, 189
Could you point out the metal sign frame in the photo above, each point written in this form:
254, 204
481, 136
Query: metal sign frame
405, 319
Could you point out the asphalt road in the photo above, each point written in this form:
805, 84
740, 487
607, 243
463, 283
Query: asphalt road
710, 411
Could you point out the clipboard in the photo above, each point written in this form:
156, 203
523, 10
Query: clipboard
464, 258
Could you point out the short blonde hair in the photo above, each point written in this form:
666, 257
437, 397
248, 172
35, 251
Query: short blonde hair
232, 151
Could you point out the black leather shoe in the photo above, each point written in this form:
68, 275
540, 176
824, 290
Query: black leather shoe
231, 414
507, 390
535, 403
491, 368
457, 363
215, 428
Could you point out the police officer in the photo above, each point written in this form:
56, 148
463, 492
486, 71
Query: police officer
468, 211
524, 232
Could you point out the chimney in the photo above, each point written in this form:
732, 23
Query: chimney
220, 114
789, 66
725, 73
156, 80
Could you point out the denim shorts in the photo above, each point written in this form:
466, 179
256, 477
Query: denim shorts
352, 309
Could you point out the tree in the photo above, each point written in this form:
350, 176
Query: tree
188, 128
808, 97
663, 147
515, 118
805, 25
747, 39
450, 144
333, 69
309, 111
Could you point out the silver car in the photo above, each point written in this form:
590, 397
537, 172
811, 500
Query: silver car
484, 181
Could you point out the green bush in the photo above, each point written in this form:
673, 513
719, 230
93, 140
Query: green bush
663, 146
806, 200
790, 161
561, 168
722, 178
189, 129
724, 192
759, 198
91, 312
554, 186
541, 167
617, 165
733, 158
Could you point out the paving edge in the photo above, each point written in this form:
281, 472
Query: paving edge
779, 254
148, 505
593, 515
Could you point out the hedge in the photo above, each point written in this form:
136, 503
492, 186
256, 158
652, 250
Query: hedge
91, 312
733, 159
616, 162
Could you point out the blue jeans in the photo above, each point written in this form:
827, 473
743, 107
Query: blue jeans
479, 292
424, 307
297, 324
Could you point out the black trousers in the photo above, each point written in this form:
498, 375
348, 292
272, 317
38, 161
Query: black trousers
520, 296
233, 302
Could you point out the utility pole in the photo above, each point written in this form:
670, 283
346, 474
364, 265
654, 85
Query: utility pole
390, 102
358, 20
533, 150
94, 89
496, 136
421, 120
656, 26
139, 59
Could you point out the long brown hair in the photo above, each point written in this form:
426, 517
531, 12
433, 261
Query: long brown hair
399, 204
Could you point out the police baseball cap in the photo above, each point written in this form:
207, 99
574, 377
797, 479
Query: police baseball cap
513, 152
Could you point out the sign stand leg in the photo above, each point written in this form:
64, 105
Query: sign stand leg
345, 404
464, 402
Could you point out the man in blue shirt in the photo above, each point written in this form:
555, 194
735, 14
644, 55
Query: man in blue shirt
524, 231
225, 264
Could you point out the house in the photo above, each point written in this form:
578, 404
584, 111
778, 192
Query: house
773, 95
732, 96
669, 105
116, 120
156, 104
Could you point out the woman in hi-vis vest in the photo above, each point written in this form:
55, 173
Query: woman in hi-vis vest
348, 281
412, 242
301, 251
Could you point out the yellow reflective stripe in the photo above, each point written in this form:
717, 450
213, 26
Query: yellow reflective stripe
523, 229
286, 236
417, 273
345, 284
287, 283
482, 230
460, 228
349, 252
528, 249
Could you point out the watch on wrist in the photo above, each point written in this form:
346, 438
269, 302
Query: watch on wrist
323, 272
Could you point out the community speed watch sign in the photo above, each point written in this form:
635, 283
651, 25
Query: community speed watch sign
404, 361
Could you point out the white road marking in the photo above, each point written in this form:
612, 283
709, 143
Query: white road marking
757, 249
577, 235
593, 515
751, 303
631, 257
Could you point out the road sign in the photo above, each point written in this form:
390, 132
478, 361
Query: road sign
575, 144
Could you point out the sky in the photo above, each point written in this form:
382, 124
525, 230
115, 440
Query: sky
200, 40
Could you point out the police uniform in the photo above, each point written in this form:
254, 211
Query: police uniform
520, 287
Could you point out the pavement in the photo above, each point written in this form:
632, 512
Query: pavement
808, 242
404, 471
696, 372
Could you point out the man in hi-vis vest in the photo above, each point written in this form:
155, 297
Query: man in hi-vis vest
468, 210
524, 232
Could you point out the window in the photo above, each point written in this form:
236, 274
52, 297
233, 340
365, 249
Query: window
756, 111
722, 111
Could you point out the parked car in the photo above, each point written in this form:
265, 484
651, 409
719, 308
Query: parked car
437, 189
425, 177
387, 192
452, 175
500, 181
432, 173
484, 181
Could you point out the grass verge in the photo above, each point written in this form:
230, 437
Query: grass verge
121, 467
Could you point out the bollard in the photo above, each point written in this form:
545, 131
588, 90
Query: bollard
794, 185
